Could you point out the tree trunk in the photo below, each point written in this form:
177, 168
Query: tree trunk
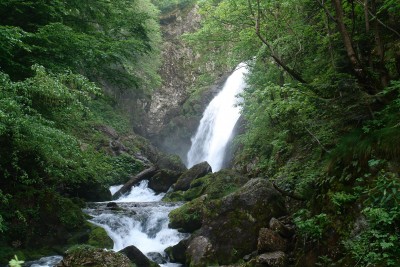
358, 69
146, 174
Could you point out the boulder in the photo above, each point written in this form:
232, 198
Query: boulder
177, 253
94, 257
232, 224
163, 180
137, 257
200, 252
99, 238
188, 217
270, 241
170, 162
279, 227
197, 171
272, 259
156, 257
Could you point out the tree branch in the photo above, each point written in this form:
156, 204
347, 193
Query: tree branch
326, 11
316, 139
289, 194
290, 71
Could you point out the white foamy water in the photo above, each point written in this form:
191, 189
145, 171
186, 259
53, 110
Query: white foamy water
216, 126
139, 193
45, 262
140, 220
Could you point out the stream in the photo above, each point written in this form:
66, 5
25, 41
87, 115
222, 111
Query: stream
140, 220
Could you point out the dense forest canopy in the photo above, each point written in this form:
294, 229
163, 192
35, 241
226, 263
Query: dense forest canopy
321, 111
54, 58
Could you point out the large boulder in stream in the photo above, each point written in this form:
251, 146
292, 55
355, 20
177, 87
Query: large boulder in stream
137, 257
163, 180
231, 225
94, 257
197, 171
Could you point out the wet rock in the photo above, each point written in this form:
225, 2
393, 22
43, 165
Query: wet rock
197, 171
112, 206
283, 230
137, 257
177, 253
200, 252
269, 241
94, 257
272, 259
163, 180
156, 257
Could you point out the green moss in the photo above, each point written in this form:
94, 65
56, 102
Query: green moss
214, 185
99, 238
188, 217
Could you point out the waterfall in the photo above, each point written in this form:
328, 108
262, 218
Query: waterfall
219, 119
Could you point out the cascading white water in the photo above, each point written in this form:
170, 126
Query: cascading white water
142, 221
218, 122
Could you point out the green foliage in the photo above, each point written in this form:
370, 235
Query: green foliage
378, 243
15, 262
123, 167
106, 39
311, 228
169, 5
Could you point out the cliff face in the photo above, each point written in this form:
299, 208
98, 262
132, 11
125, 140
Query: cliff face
176, 71
175, 108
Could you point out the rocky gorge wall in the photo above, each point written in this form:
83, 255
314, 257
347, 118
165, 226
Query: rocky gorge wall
175, 109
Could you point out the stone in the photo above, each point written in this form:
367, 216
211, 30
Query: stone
270, 241
137, 257
163, 180
272, 259
94, 257
232, 224
112, 206
199, 252
177, 253
187, 218
197, 171
157, 257
283, 230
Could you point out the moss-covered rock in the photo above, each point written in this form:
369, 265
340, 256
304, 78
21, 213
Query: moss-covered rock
99, 238
215, 185
197, 171
94, 257
163, 180
232, 224
188, 217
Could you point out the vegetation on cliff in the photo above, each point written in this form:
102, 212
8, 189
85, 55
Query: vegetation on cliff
322, 115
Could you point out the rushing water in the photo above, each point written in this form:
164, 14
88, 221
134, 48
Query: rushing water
141, 220
218, 122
